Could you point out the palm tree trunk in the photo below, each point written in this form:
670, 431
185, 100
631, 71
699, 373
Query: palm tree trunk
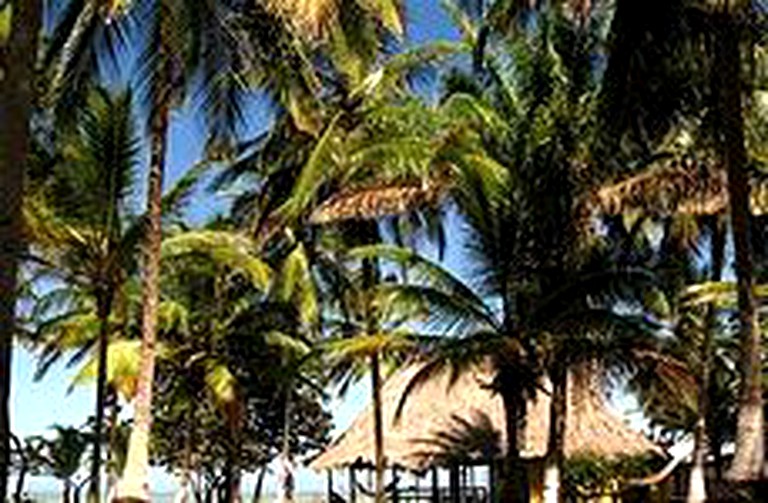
748, 459
112, 468
104, 309
287, 482
22, 475
232, 482
697, 487
514, 478
134, 485
378, 427
553, 468
17, 62
186, 467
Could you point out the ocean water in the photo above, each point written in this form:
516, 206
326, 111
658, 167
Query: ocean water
165, 497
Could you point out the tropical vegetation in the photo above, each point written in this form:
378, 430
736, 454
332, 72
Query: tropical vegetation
554, 187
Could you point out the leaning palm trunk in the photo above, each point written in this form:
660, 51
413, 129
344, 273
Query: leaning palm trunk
697, 489
104, 310
134, 485
748, 459
378, 427
17, 61
553, 467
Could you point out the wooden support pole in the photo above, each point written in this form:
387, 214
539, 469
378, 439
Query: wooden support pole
352, 485
435, 485
492, 481
395, 494
455, 483
330, 485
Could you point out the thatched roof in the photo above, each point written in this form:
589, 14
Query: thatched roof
375, 202
678, 188
467, 421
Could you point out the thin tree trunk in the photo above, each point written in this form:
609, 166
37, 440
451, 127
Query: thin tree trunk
112, 469
22, 475
259, 485
232, 476
104, 308
697, 487
17, 65
514, 479
225, 492
378, 427
288, 478
184, 493
134, 485
553, 467
66, 492
717, 453
748, 459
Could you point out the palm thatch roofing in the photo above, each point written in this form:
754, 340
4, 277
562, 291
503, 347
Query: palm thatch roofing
693, 188
465, 421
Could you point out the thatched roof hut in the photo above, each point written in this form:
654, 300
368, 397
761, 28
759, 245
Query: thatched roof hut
466, 422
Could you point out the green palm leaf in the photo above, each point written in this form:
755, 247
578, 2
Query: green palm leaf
226, 249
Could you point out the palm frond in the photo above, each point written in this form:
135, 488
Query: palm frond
227, 249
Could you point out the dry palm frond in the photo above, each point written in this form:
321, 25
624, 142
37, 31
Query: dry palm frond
315, 18
687, 188
375, 202
310, 17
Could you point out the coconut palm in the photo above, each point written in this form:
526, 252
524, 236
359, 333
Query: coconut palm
674, 35
510, 206
167, 74
18, 50
80, 235
249, 301
726, 23
84, 237
366, 333
62, 456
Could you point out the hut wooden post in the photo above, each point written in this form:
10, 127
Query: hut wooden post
330, 485
435, 486
352, 485
492, 481
395, 494
455, 483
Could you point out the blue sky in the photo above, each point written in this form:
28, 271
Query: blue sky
36, 406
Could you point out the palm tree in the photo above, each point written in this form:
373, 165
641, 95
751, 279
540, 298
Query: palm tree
670, 38
640, 104
78, 229
366, 332
494, 197
62, 456
17, 60
728, 82
212, 46
267, 305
